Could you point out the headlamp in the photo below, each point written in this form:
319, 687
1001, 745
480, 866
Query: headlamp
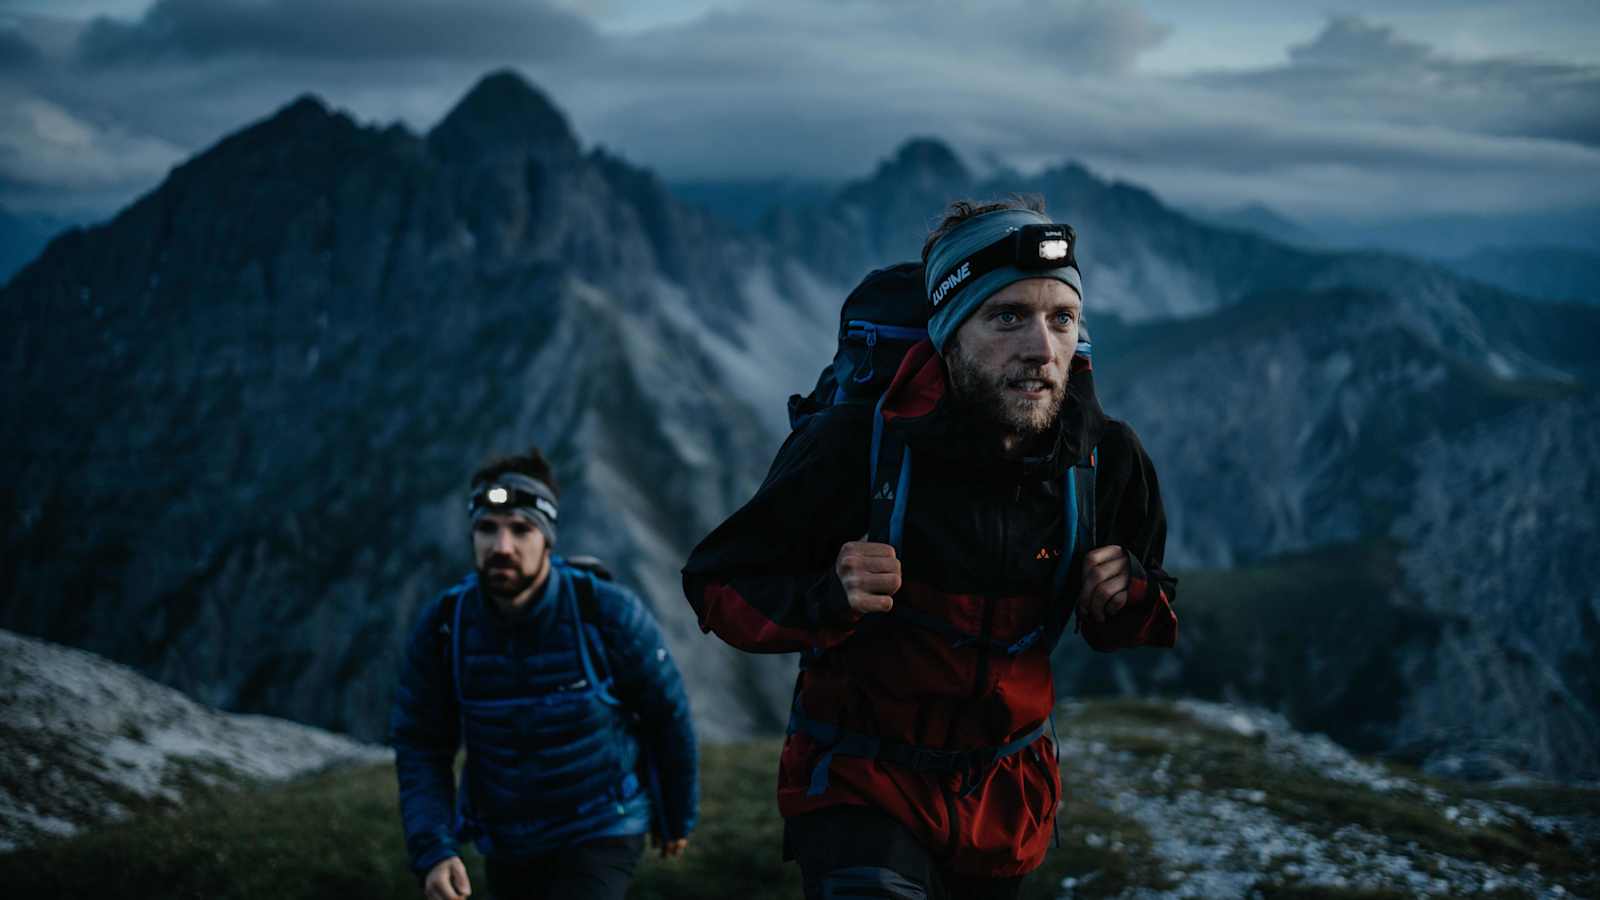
512, 492
1053, 249
1030, 248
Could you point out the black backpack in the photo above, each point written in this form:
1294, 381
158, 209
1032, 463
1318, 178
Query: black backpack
885, 316
882, 319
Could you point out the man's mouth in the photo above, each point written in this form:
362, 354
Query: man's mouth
1030, 387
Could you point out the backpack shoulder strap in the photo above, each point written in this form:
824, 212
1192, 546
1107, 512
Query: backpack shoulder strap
447, 626
890, 483
589, 614
1081, 537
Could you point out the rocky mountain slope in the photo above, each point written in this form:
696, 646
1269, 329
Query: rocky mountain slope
253, 399
89, 742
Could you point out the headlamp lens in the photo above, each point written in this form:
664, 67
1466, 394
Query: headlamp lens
1052, 250
498, 496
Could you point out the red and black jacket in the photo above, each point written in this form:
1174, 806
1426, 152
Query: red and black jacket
982, 540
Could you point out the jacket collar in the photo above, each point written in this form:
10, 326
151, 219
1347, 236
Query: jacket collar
918, 405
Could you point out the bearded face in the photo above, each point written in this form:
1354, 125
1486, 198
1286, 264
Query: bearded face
1009, 361
511, 556
1022, 399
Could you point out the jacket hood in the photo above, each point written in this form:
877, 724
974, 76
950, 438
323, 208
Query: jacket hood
918, 404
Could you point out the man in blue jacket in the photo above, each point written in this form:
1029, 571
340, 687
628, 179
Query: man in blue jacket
558, 684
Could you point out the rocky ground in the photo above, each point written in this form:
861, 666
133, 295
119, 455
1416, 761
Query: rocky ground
1198, 799
85, 741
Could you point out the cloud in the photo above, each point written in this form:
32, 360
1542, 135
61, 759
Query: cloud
787, 91
45, 149
1350, 41
826, 89
1359, 118
1026, 40
337, 30
1357, 70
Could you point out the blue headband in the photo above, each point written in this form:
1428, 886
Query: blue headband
971, 236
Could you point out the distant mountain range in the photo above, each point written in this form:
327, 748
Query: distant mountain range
1264, 221
249, 403
1546, 272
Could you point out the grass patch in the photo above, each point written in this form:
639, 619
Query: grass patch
338, 835
736, 851
335, 834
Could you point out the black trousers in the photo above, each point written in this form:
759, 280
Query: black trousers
596, 870
855, 851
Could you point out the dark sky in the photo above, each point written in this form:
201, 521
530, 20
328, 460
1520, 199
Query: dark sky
1351, 111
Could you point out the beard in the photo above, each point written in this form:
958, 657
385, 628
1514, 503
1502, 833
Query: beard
501, 579
983, 395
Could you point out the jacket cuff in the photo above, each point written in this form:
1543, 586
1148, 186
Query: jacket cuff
1138, 584
424, 864
1148, 615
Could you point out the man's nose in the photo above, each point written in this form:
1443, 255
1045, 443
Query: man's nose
1034, 343
503, 542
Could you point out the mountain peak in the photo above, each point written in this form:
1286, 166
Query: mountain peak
305, 122
926, 155
503, 111
920, 168
303, 113
303, 106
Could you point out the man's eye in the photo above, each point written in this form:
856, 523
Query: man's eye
484, 528
521, 530
1006, 318
1066, 318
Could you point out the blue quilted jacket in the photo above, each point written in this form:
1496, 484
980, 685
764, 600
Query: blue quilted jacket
565, 741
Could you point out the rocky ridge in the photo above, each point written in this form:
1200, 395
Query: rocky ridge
89, 741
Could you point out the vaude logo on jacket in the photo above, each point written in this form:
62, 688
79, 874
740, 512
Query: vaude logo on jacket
950, 281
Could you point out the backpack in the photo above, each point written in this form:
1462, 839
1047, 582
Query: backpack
882, 319
885, 316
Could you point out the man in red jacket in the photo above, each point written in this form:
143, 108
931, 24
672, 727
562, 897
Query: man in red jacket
917, 762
